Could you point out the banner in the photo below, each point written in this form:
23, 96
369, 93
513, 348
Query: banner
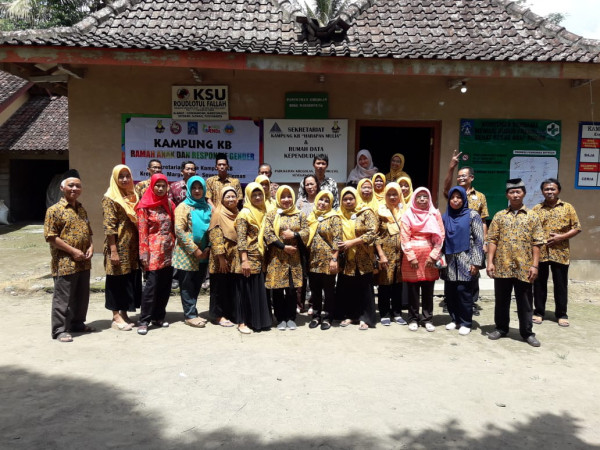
587, 173
174, 141
290, 146
499, 149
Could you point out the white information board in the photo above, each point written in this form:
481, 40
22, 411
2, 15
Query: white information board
291, 144
533, 170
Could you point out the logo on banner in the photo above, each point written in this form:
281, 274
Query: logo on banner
192, 128
552, 129
159, 128
466, 128
175, 127
335, 128
183, 93
229, 129
210, 129
275, 128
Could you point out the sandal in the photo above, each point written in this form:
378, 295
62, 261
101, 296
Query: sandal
196, 322
64, 337
363, 326
537, 319
314, 323
226, 323
345, 323
325, 325
121, 326
563, 322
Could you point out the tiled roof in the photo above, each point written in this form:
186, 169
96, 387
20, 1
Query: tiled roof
488, 30
9, 85
41, 124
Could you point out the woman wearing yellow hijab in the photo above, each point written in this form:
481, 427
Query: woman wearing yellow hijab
285, 230
396, 166
265, 182
325, 227
364, 189
355, 281
379, 182
407, 189
389, 249
121, 250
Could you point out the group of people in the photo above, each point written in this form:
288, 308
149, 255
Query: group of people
263, 247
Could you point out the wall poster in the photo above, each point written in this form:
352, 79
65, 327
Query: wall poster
499, 149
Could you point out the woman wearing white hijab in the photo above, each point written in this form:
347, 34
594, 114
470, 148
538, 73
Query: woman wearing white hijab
364, 168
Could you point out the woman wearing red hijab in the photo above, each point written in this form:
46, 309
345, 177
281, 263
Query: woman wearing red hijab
422, 237
155, 214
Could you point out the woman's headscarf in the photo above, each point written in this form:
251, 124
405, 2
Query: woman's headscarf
292, 210
457, 224
253, 215
127, 199
380, 196
410, 187
269, 201
317, 216
363, 201
395, 174
348, 217
200, 213
151, 200
388, 213
423, 220
223, 218
358, 173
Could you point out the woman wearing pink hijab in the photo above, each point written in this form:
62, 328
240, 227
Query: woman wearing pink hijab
422, 236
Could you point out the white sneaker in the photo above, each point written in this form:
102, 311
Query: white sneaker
429, 327
463, 331
413, 326
451, 326
281, 326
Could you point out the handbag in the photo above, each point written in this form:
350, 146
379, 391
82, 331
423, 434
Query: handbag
441, 262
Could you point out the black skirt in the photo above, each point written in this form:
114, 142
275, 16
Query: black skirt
253, 309
123, 292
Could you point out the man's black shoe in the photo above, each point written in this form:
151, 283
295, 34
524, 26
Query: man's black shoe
496, 334
531, 340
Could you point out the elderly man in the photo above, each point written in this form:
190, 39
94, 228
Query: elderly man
514, 241
67, 230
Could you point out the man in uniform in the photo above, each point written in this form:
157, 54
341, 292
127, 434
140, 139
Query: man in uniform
560, 224
67, 230
178, 189
216, 183
514, 241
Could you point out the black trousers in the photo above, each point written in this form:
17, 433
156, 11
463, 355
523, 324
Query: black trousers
459, 299
156, 295
389, 300
426, 288
503, 288
319, 283
70, 302
223, 296
560, 277
356, 298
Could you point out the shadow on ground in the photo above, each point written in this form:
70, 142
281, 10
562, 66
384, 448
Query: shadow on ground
37, 411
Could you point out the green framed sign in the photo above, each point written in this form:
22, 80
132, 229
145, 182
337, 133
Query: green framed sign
499, 149
306, 105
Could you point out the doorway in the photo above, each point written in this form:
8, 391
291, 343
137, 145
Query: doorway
29, 179
419, 142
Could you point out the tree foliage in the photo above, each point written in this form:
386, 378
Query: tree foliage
325, 10
28, 14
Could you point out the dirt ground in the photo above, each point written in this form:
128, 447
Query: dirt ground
214, 388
